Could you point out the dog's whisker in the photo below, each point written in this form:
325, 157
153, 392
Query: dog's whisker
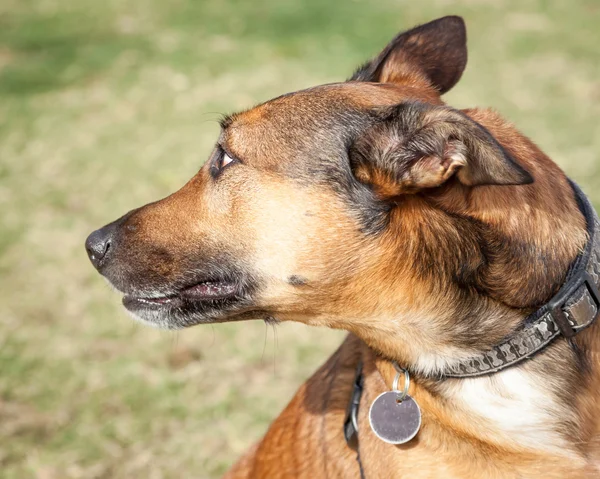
273, 325
214, 336
262, 357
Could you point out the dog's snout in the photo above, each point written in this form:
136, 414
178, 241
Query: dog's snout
99, 244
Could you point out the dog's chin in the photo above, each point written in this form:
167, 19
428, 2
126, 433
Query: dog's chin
202, 303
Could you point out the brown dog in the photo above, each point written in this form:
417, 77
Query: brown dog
428, 233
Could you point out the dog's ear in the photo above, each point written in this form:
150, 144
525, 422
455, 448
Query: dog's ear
414, 146
434, 53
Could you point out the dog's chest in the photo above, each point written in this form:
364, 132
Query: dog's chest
513, 406
510, 411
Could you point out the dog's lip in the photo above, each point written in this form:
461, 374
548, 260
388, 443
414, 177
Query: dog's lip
203, 291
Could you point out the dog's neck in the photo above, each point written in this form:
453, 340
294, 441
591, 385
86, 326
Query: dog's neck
531, 405
460, 268
465, 278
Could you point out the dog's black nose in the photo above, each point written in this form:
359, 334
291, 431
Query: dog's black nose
99, 244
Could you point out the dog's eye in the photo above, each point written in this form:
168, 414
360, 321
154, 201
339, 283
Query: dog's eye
225, 160
221, 161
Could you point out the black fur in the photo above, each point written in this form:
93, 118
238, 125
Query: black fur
437, 49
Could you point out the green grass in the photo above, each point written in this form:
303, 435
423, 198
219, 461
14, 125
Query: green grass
108, 105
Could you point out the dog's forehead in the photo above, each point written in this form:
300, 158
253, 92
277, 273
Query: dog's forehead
316, 117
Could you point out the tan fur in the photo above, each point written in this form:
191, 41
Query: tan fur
449, 270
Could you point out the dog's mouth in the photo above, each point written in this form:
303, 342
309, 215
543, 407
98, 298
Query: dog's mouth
207, 301
204, 291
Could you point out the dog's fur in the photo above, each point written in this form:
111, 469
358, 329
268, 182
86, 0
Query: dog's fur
426, 232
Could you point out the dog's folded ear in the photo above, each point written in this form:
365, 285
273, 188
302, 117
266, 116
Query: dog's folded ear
413, 146
434, 53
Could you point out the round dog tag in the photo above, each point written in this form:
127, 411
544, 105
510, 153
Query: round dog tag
393, 421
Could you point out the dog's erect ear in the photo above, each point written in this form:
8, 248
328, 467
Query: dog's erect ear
434, 53
414, 146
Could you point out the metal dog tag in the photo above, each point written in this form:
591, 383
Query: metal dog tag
392, 421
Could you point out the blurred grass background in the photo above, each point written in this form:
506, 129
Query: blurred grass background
105, 106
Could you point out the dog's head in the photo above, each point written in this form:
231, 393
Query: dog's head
343, 205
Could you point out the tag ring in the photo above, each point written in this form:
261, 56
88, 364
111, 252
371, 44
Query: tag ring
401, 396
